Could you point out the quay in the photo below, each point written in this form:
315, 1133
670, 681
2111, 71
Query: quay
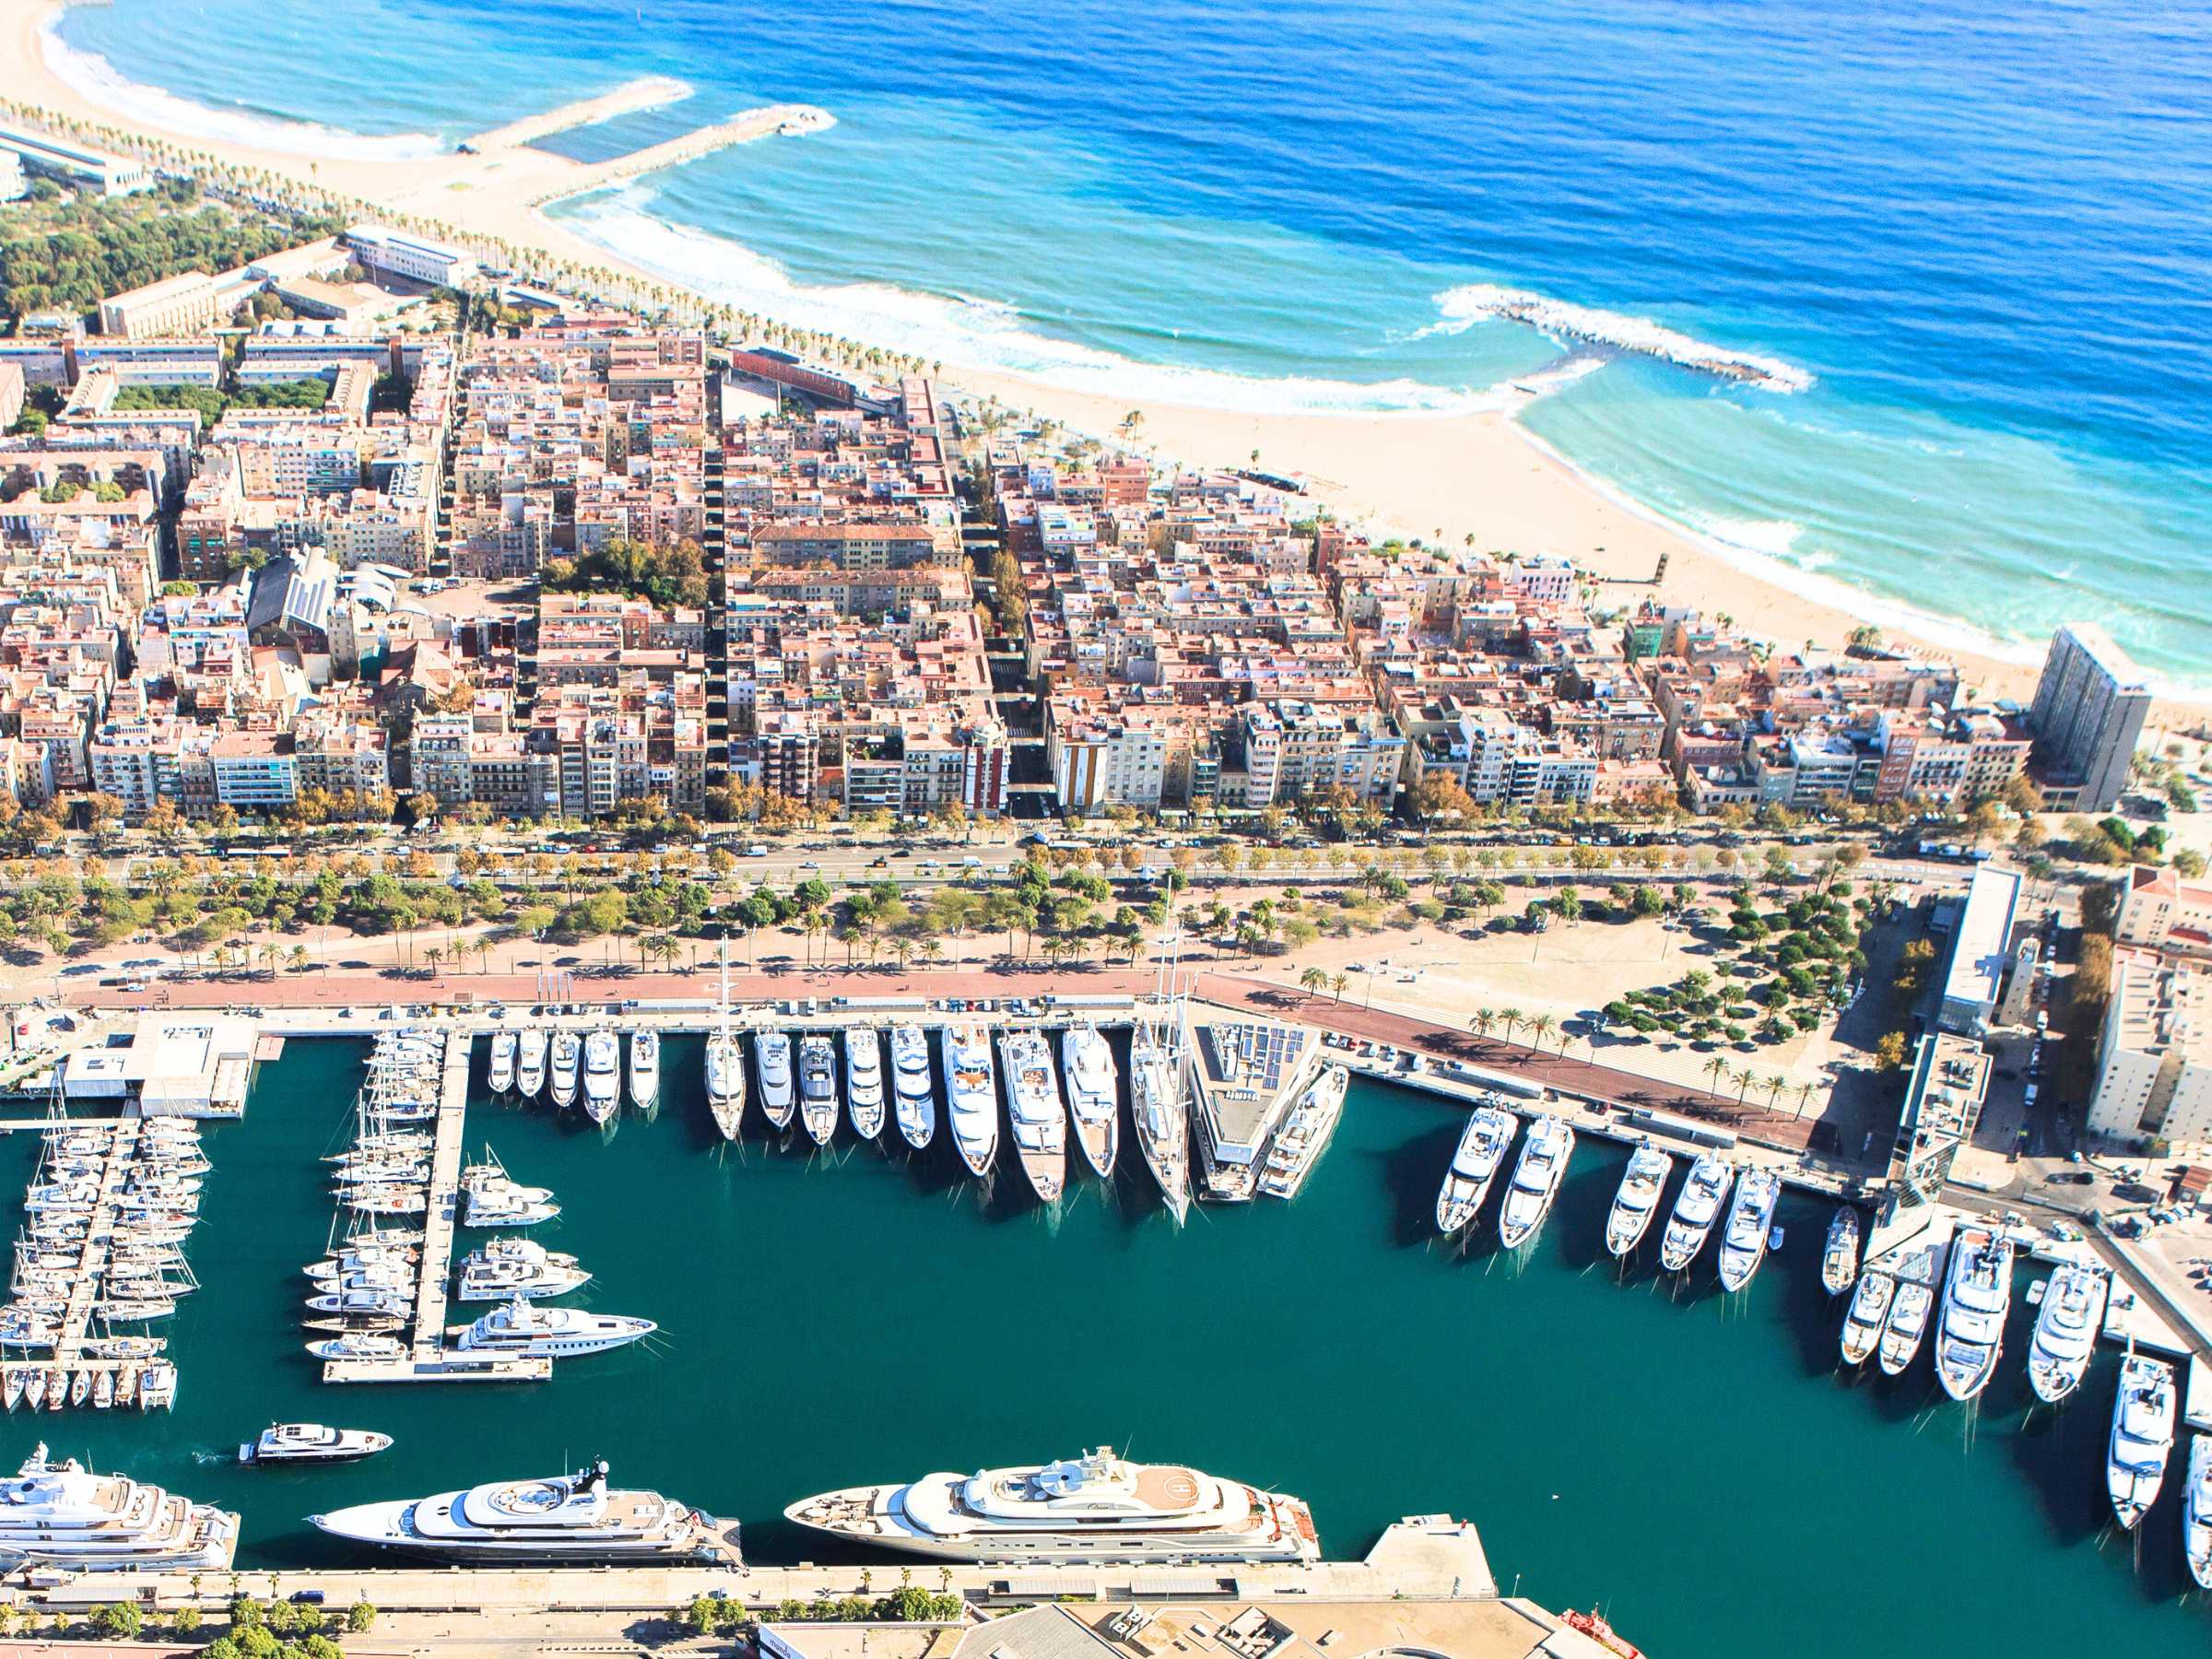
769, 119
647, 92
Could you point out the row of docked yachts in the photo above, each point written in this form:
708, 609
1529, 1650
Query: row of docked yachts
575, 1066
1051, 1099
1096, 1508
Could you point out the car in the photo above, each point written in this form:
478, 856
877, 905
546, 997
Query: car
808, 864
879, 863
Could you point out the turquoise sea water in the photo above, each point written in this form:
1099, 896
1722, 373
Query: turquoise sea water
1983, 229
1692, 1462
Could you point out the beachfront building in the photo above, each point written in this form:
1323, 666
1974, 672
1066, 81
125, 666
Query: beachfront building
413, 258
2154, 1053
74, 165
183, 304
15, 183
2088, 716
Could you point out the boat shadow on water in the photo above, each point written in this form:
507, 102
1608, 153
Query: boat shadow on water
1411, 1173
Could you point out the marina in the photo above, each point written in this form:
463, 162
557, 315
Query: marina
795, 1220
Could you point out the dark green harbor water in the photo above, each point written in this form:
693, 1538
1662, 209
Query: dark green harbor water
1695, 1463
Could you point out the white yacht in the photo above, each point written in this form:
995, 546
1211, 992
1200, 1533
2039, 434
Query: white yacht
1976, 1295
500, 1076
63, 1516
602, 1075
971, 1096
503, 1269
1862, 1320
567, 1057
1840, 1256
570, 1518
2135, 1465
1304, 1133
2065, 1331
1094, 1093
1697, 1208
771, 1052
1637, 1201
725, 1083
818, 1088
530, 1063
522, 1328
913, 1091
1033, 1108
1744, 1241
864, 1080
1907, 1326
1537, 1174
358, 1345
2196, 1512
645, 1071
1482, 1147
312, 1442
1160, 1106
1093, 1508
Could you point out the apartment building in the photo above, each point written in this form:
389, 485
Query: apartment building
2154, 1053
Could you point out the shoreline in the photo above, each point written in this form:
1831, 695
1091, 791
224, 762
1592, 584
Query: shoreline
1479, 477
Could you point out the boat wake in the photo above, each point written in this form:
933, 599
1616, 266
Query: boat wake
1468, 304
983, 335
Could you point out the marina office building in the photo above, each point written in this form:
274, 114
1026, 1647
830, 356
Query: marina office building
196, 1064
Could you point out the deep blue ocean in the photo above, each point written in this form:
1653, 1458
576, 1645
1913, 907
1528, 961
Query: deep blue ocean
1985, 230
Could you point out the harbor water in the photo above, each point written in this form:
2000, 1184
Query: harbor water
1693, 1461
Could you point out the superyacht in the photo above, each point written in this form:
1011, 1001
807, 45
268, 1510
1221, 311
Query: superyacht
1094, 1509
503, 1269
1976, 1295
1697, 1208
1482, 1147
645, 1071
818, 1088
1160, 1106
568, 1053
602, 1075
1304, 1134
913, 1093
568, 1518
1093, 1096
1039, 1121
312, 1442
864, 1080
522, 1328
2065, 1331
771, 1052
971, 1096
2135, 1465
1536, 1177
1744, 1241
63, 1516
1637, 1200
530, 1063
1862, 1320
500, 1076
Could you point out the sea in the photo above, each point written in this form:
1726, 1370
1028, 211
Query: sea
1976, 235
1694, 1463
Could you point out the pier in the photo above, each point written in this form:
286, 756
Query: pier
765, 122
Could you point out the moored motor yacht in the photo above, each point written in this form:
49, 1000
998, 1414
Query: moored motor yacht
778, 1095
864, 1080
726, 1084
312, 1442
2196, 1512
1862, 1320
1744, 1241
568, 1518
913, 1091
1033, 1109
2065, 1331
525, 1328
1839, 1255
358, 1345
645, 1070
1537, 1175
818, 1088
530, 1063
501, 1269
501, 1074
1304, 1133
1698, 1206
1095, 1509
63, 1516
971, 1096
568, 1059
1637, 1201
1094, 1103
602, 1075
1907, 1326
2142, 1437
1977, 1294
1482, 1147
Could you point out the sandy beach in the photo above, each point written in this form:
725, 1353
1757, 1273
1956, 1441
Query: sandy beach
1457, 477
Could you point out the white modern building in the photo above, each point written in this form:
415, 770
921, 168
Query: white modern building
418, 259
1981, 947
2154, 1055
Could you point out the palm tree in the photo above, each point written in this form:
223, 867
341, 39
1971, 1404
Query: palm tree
1482, 1022
1337, 982
1717, 1069
1511, 1019
1775, 1085
1804, 1096
1540, 1027
1743, 1080
1314, 979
